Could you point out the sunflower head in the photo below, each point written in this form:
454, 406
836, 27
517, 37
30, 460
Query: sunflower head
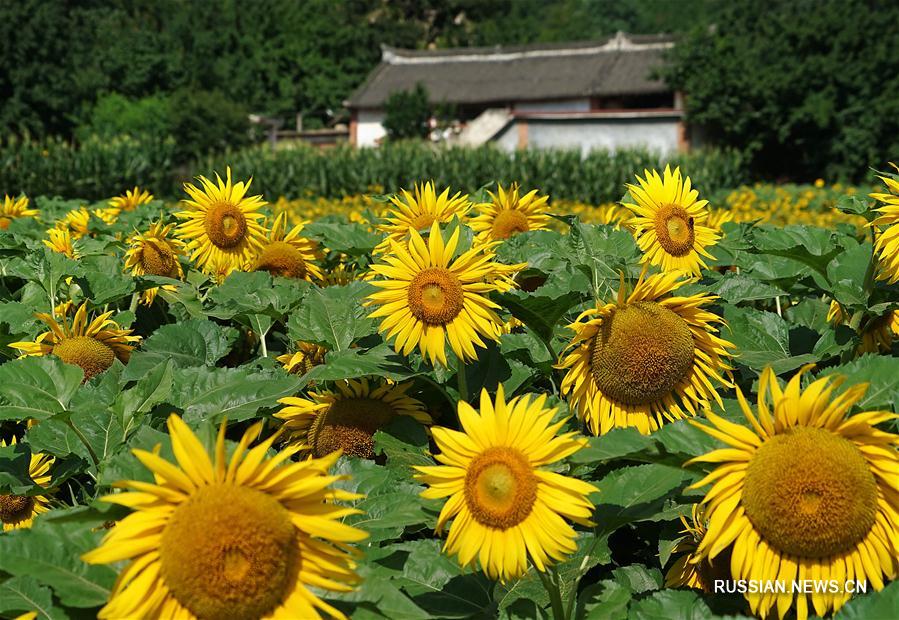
131, 199
806, 490
428, 297
18, 511
877, 333
241, 538
647, 357
221, 224
91, 345
886, 244
510, 213
60, 240
307, 356
155, 253
347, 417
692, 571
670, 223
77, 221
418, 210
499, 489
288, 254
13, 208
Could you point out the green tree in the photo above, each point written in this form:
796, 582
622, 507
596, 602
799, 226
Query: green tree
808, 88
406, 114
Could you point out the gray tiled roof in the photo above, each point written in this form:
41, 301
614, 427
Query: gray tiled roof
620, 65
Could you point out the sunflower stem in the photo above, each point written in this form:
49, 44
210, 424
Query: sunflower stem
84, 440
551, 584
463, 383
135, 297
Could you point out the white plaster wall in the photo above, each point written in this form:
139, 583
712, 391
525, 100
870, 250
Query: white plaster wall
567, 105
658, 135
369, 127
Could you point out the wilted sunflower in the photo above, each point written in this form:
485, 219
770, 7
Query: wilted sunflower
877, 334
689, 570
429, 298
648, 357
804, 493
61, 241
131, 199
154, 253
886, 244
509, 214
347, 417
307, 356
670, 223
288, 254
419, 210
18, 511
244, 538
13, 208
221, 226
505, 506
77, 221
92, 346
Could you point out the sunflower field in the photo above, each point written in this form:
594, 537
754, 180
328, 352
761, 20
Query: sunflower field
431, 404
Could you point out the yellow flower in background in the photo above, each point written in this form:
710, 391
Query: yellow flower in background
341, 275
154, 253
877, 333
689, 570
670, 222
18, 511
819, 183
418, 211
347, 417
509, 214
13, 208
886, 244
131, 199
428, 298
806, 492
288, 254
307, 356
77, 221
647, 357
60, 240
108, 216
506, 505
221, 224
93, 346
717, 217
241, 538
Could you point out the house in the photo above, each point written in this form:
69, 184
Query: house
599, 94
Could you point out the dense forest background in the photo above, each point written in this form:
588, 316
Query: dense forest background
804, 87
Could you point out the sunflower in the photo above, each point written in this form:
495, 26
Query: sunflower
109, 216
77, 221
505, 505
244, 538
61, 241
418, 210
649, 357
669, 222
92, 346
154, 253
347, 417
427, 298
288, 254
877, 334
688, 570
510, 214
221, 226
131, 199
341, 275
13, 208
886, 245
307, 356
804, 493
18, 511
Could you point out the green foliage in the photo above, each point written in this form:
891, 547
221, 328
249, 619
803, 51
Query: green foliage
115, 115
406, 114
787, 88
